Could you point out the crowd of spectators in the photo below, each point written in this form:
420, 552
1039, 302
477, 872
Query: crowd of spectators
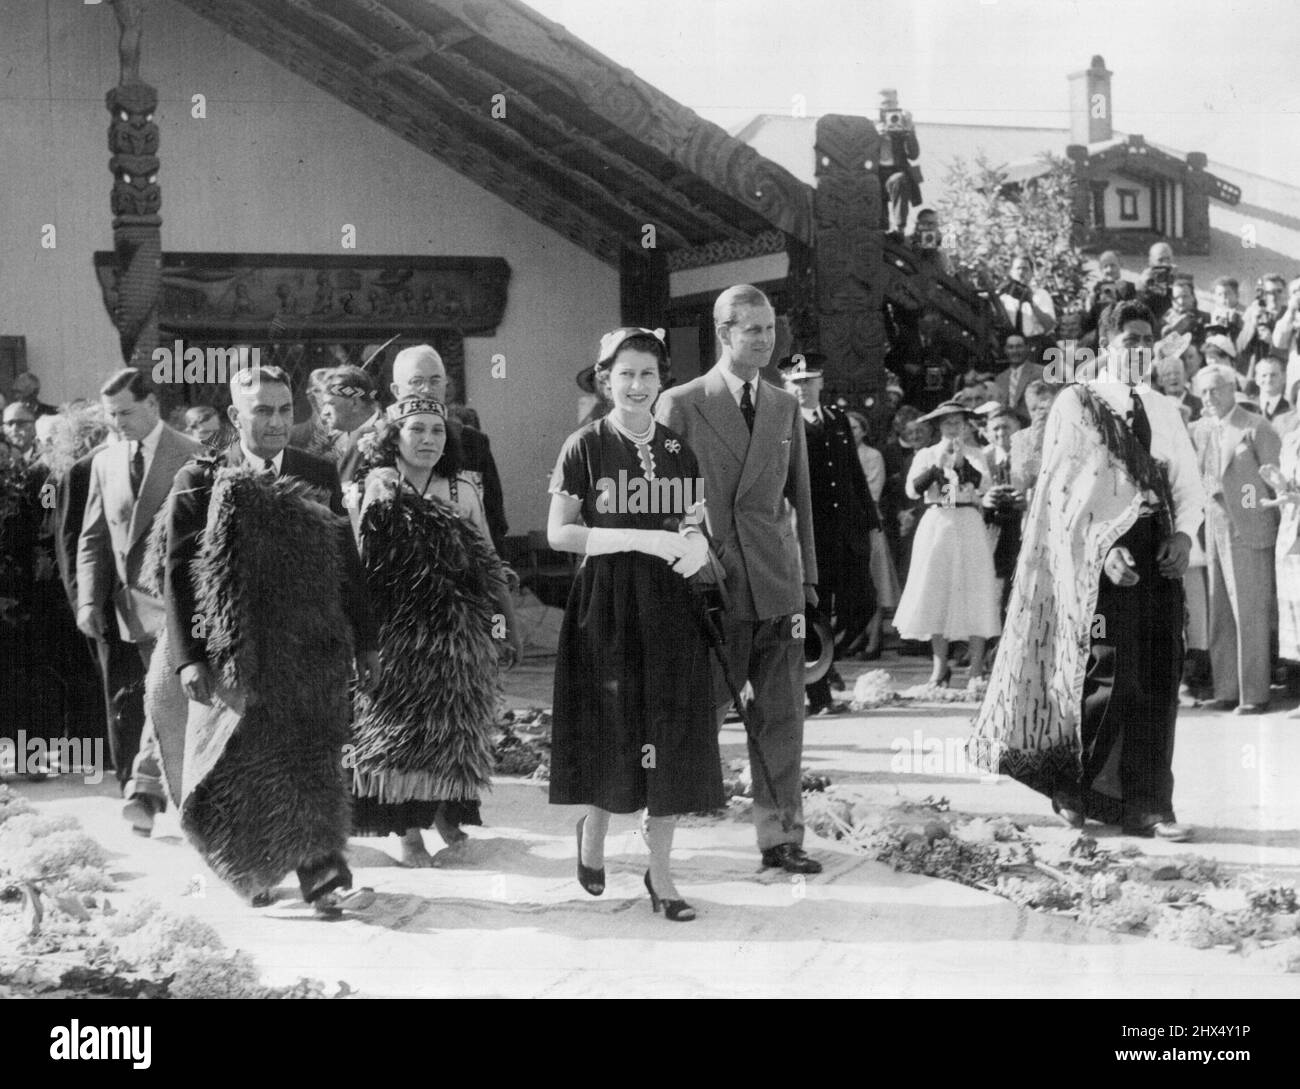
1242, 611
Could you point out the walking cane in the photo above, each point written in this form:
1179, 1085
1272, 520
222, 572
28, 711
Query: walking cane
710, 609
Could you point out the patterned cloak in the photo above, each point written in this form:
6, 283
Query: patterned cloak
1086, 498
425, 732
269, 795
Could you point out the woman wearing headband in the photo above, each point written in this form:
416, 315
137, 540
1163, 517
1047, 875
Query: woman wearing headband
632, 726
423, 750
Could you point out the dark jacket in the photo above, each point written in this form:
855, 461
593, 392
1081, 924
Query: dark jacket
842, 510
477, 455
187, 511
70, 509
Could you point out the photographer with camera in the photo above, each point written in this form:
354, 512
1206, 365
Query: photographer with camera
1286, 334
1106, 292
926, 242
1184, 316
1258, 326
1030, 312
900, 177
1225, 316
1156, 285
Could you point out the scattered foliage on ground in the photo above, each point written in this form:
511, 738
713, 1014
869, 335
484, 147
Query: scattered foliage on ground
60, 933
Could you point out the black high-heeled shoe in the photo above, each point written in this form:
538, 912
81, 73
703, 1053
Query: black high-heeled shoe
677, 911
589, 878
942, 680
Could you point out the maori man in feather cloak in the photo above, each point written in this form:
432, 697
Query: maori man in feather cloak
267, 607
1084, 693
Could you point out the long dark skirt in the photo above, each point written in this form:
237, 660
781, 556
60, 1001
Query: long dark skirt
1130, 691
633, 723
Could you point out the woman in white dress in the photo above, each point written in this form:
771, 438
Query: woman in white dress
951, 591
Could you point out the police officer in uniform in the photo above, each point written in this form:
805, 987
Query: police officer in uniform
843, 515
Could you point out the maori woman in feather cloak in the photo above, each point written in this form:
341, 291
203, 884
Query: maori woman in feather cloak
423, 749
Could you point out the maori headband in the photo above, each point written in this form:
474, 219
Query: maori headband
415, 406
342, 389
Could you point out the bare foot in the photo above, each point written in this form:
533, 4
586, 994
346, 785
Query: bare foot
413, 851
450, 832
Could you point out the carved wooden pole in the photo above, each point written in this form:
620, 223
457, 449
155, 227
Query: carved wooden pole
801, 285
136, 198
849, 256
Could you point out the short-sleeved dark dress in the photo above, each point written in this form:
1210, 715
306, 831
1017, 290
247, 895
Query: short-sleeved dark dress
633, 667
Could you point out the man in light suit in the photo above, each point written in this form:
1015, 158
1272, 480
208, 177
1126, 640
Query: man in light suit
749, 438
129, 482
1240, 531
1013, 383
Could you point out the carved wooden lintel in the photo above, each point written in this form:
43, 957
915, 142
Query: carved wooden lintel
330, 297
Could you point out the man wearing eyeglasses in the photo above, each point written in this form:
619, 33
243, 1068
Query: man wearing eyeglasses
20, 428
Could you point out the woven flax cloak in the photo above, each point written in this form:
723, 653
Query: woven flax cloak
273, 794
425, 732
1029, 724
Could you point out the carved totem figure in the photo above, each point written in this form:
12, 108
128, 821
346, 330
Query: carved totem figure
136, 197
848, 248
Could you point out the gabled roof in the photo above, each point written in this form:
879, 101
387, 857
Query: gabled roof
1132, 155
527, 111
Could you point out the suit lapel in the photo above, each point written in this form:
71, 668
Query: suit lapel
1228, 440
767, 436
722, 414
153, 489
117, 486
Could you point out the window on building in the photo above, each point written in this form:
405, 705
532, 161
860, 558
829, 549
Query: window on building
1099, 206
1128, 205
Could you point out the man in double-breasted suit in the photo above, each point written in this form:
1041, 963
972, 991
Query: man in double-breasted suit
749, 439
129, 482
1240, 532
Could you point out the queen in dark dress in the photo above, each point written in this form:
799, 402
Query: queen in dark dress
632, 725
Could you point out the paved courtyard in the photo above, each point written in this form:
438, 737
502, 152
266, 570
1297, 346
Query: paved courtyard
508, 918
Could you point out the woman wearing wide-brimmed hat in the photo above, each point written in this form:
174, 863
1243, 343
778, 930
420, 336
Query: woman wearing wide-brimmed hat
951, 591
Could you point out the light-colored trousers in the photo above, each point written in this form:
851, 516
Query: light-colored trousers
1241, 598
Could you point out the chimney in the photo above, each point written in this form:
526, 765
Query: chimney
1090, 104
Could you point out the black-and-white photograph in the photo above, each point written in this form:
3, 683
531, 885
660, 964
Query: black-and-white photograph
650, 499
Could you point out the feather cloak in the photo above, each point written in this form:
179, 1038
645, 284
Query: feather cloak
1028, 725
272, 794
425, 732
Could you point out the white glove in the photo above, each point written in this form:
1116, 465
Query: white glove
696, 557
653, 542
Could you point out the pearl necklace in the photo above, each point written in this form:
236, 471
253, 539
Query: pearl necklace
642, 439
